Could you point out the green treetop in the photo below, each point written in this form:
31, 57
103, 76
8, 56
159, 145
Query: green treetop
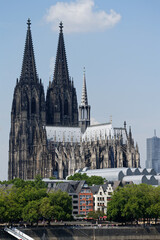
96, 180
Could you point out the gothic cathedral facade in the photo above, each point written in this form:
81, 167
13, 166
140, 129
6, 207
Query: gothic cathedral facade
53, 137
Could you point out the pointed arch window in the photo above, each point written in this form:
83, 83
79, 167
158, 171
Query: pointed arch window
25, 104
66, 107
33, 106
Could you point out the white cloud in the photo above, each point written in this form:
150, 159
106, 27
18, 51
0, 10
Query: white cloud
80, 16
94, 121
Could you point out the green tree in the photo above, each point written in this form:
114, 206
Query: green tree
96, 180
78, 176
131, 203
116, 205
62, 204
39, 182
154, 209
13, 210
31, 212
46, 210
3, 197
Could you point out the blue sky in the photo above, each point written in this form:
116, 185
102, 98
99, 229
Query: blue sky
117, 41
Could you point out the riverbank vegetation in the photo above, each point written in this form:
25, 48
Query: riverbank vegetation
134, 202
29, 201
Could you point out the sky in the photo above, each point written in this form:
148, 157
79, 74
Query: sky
118, 43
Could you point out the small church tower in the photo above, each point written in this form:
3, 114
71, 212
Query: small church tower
84, 108
27, 133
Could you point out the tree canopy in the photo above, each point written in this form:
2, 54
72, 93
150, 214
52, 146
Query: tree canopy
29, 201
96, 180
134, 202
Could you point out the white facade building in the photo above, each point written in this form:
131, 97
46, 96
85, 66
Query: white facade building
102, 195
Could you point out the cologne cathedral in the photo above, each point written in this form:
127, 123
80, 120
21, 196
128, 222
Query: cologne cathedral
52, 135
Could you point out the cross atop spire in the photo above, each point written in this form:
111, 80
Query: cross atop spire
29, 23
61, 26
84, 99
29, 73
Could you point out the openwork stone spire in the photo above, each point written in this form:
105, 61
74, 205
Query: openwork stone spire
61, 99
61, 75
28, 73
84, 108
84, 99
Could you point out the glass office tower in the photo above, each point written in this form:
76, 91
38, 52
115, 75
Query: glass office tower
153, 153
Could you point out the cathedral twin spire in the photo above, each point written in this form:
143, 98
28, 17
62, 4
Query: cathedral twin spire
29, 72
64, 101
61, 100
61, 74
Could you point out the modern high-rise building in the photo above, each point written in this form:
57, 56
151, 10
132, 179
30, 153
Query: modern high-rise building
153, 153
52, 135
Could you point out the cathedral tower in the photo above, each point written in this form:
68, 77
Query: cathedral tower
27, 133
84, 108
61, 101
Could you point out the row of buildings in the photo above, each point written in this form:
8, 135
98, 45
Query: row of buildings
85, 198
96, 197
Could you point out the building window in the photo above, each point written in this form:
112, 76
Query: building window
88, 196
75, 207
75, 201
75, 196
75, 212
88, 202
82, 196
88, 190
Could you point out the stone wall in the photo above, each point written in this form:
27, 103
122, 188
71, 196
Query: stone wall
77, 233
